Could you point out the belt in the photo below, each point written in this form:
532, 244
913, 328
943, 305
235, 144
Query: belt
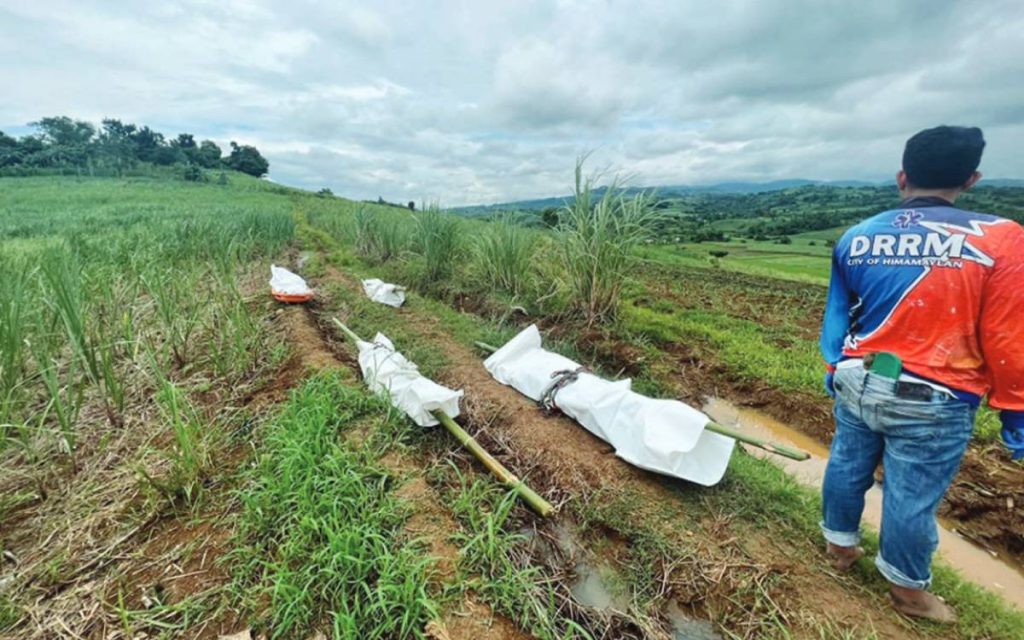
910, 390
917, 391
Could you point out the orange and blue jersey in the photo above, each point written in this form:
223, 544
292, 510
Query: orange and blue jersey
943, 289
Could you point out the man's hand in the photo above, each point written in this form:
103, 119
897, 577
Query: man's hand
1013, 433
829, 385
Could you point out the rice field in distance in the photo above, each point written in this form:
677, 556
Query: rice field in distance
183, 457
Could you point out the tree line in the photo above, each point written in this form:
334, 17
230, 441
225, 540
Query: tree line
776, 215
64, 145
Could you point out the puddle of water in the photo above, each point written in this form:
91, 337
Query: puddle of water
686, 628
974, 563
565, 538
593, 583
591, 588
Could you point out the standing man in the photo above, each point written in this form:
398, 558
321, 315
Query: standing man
925, 317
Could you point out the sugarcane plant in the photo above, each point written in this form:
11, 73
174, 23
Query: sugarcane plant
596, 236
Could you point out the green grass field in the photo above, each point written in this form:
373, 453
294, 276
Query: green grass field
799, 261
171, 465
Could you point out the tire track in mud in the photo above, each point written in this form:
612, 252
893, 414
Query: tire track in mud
564, 461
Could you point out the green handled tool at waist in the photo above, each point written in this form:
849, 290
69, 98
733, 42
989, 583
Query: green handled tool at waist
885, 364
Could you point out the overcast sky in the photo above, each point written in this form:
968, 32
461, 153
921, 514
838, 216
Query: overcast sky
483, 101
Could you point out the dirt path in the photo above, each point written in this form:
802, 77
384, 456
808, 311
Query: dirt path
429, 521
566, 462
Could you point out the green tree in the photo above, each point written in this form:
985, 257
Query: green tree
32, 150
185, 141
193, 173
65, 132
549, 217
9, 152
117, 147
148, 144
208, 155
247, 159
67, 143
185, 145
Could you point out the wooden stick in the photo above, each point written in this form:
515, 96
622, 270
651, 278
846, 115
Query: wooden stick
772, 447
528, 495
714, 427
348, 332
486, 347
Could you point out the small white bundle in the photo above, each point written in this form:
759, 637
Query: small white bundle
287, 283
384, 293
665, 436
388, 372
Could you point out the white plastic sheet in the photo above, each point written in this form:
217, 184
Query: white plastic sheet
665, 436
285, 282
388, 372
384, 293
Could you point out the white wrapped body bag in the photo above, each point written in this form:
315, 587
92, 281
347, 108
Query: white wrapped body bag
664, 436
384, 292
387, 371
287, 286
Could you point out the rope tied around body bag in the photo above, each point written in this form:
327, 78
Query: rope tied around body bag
559, 380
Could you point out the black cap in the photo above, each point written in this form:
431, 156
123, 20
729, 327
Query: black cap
943, 157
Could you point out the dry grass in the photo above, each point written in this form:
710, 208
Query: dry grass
73, 543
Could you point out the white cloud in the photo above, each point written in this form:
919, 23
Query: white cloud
470, 102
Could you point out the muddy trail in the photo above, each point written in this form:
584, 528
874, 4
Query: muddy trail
984, 502
318, 349
738, 576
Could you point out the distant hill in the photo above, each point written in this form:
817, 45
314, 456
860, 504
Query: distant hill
664, 191
1002, 182
669, 191
774, 185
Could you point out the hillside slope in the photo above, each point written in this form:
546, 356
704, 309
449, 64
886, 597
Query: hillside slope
184, 457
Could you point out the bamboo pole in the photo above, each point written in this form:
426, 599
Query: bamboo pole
714, 427
528, 495
348, 332
771, 447
537, 503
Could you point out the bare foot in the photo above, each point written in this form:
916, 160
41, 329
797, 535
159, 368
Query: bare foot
921, 604
844, 557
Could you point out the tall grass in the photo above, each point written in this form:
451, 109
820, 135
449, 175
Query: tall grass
504, 254
510, 581
596, 236
63, 277
234, 336
189, 454
379, 238
13, 325
62, 273
74, 307
437, 240
65, 401
176, 295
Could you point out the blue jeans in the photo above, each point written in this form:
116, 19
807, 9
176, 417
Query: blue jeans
919, 442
